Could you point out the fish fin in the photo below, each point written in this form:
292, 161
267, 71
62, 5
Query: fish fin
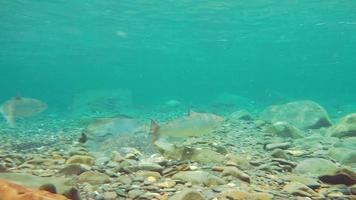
154, 131
10, 119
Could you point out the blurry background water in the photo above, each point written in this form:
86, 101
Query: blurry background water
185, 50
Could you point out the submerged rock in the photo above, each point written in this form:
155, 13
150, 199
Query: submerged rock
345, 156
12, 191
199, 178
73, 169
299, 189
302, 114
188, 194
241, 195
284, 145
62, 185
81, 159
240, 115
207, 156
284, 130
345, 128
315, 166
340, 176
235, 172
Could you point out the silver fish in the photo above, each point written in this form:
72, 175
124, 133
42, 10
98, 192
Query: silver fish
195, 124
19, 107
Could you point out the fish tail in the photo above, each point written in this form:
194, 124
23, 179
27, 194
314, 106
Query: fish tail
154, 131
9, 118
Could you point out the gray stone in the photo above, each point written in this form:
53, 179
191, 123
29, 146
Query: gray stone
284, 130
302, 114
345, 156
345, 128
188, 194
315, 166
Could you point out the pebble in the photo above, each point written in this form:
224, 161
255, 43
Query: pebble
272, 146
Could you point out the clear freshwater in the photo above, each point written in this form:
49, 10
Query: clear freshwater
186, 50
114, 73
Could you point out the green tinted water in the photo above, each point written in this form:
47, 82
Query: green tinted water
187, 50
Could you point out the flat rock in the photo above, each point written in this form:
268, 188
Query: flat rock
315, 166
283, 145
302, 114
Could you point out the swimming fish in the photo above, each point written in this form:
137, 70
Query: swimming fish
18, 107
104, 127
102, 132
195, 124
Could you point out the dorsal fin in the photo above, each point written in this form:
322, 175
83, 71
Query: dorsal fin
154, 131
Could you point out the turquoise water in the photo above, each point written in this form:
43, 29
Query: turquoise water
185, 50
198, 99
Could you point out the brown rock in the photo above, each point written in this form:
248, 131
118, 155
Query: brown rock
11, 191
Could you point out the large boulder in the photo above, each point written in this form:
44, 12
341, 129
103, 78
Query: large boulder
345, 128
302, 114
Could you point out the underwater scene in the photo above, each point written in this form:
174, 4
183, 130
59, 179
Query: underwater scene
177, 100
